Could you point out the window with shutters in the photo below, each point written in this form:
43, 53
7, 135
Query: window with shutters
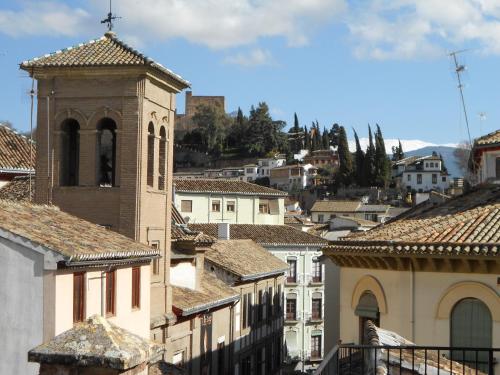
110, 293
316, 346
434, 178
316, 271
136, 287
291, 276
78, 297
471, 327
247, 310
186, 206
316, 309
291, 308
269, 302
419, 178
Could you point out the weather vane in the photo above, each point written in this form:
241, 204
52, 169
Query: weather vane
109, 19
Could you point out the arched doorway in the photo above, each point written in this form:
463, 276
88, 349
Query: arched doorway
471, 325
367, 309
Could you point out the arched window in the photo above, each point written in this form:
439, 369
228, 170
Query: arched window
471, 326
163, 157
106, 157
367, 309
151, 153
70, 152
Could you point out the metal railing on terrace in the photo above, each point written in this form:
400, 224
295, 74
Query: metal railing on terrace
401, 360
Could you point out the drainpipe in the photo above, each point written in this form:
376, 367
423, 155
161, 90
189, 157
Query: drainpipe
303, 309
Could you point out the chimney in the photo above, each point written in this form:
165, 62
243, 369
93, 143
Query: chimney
224, 231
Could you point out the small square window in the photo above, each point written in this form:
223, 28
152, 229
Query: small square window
443, 179
186, 206
230, 206
216, 206
264, 208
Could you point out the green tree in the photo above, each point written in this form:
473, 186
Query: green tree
334, 135
237, 132
397, 152
325, 139
359, 162
307, 139
345, 159
369, 162
296, 136
211, 125
382, 165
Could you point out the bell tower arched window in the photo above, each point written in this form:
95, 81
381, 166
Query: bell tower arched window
163, 157
151, 153
106, 158
70, 152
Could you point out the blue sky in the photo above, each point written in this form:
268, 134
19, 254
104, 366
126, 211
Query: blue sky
351, 62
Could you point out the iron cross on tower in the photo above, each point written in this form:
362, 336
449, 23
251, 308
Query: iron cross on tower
109, 19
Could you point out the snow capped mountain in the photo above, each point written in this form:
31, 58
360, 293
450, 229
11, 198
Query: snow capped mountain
408, 144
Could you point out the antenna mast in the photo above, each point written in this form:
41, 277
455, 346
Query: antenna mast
459, 69
110, 18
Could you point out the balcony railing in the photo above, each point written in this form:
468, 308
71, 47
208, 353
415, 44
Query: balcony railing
367, 360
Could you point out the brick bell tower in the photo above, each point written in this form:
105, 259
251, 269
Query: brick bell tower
105, 123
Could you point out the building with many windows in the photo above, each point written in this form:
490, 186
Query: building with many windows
421, 174
238, 202
290, 177
304, 286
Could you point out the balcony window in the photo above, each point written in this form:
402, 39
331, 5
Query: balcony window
136, 287
110, 293
316, 309
316, 271
419, 178
291, 276
434, 178
78, 297
315, 346
291, 308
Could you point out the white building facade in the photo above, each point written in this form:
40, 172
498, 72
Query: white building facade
235, 202
425, 174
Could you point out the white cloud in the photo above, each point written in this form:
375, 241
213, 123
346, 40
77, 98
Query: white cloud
255, 57
226, 23
404, 29
44, 18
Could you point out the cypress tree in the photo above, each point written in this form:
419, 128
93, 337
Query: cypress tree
345, 159
296, 136
381, 161
307, 139
360, 162
325, 139
369, 162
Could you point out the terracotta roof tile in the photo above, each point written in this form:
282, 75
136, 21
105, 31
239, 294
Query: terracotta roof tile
180, 231
18, 189
245, 259
15, 151
212, 293
335, 206
105, 51
488, 139
224, 186
467, 225
264, 234
75, 239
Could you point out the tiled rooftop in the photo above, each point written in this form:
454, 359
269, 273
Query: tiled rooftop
105, 51
224, 186
180, 231
245, 259
466, 225
15, 151
264, 234
95, 343
18, 189
335, 206
488, 139
212, 293
74, 238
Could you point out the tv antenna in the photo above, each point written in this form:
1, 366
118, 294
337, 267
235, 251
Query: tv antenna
459, 69
110, 18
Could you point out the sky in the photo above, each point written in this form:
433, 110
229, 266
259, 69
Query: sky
352, 62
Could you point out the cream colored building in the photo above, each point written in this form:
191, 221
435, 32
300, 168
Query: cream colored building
57, 270
236, 202
486, 157
431, 275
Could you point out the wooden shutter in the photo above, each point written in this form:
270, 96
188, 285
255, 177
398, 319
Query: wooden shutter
110, 292
78, 297
136, 287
